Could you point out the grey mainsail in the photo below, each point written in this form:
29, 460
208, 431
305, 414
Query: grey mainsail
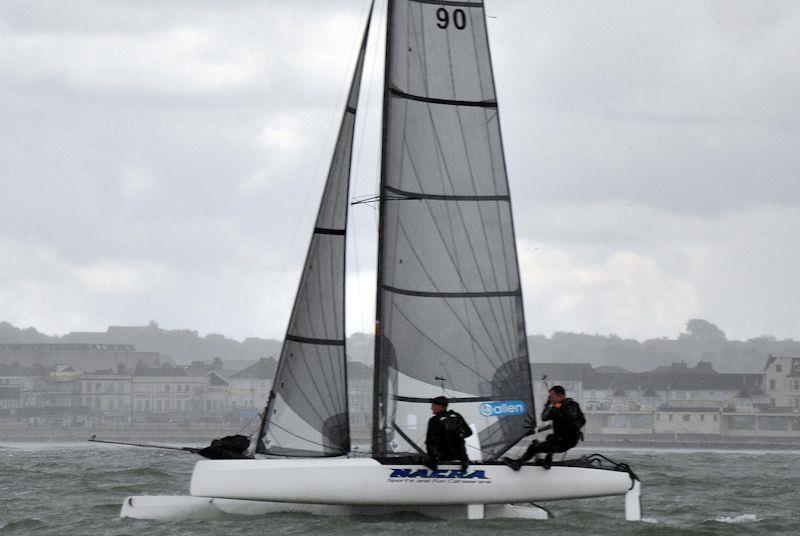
307, 411
449, 303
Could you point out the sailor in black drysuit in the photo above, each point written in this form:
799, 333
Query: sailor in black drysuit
445, 438
567, 420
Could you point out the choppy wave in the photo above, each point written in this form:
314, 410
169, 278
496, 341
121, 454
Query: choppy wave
57, 491
21, 526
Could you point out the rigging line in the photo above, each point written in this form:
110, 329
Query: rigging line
366, 200
308, 440
406, 438
254, 417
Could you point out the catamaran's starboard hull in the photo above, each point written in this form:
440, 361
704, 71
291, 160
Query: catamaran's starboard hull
172, 508
365, 481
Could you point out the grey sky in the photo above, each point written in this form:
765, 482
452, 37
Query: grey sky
163, 160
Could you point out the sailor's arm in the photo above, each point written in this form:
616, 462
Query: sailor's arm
549, 411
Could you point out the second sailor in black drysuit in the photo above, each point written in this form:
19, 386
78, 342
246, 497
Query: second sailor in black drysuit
445, 438
567, 419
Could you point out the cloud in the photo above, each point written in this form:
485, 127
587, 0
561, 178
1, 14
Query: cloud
642, 272
626, 293
687, 108
164, 160
40, 287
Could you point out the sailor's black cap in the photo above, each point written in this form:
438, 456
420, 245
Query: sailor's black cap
441, 400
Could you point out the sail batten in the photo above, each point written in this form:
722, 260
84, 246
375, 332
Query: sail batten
307, 409
446, 102
449, 303
446, 197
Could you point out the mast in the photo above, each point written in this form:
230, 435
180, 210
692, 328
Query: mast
378, 401
307, 409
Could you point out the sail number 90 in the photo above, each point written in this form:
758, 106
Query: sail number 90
459, 18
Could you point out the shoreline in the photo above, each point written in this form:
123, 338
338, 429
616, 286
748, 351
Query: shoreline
690, 445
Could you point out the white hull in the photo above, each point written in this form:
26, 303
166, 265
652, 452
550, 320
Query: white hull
171, 508
366, 482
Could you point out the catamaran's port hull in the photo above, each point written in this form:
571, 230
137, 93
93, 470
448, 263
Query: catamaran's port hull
364, 481
171, 508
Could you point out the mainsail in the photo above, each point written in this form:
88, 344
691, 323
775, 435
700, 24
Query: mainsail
306, 413
449, 304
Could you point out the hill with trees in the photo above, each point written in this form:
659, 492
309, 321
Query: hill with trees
702, 341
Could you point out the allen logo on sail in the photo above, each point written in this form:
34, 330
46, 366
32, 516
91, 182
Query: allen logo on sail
502, 409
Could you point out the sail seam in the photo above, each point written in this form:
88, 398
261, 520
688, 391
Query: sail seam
308, 340
450, 400
454, 3
425, 294
448, 102
447, 197
324, 230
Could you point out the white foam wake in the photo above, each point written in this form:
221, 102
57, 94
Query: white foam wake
742, 518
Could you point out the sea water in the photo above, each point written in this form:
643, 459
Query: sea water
77, 489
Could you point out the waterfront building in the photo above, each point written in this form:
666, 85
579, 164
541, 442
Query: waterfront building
160, 391
782, 381
249, 388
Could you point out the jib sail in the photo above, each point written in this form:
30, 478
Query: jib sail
306, 414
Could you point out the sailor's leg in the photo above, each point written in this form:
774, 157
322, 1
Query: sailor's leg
463, 458
530, 452
550, 446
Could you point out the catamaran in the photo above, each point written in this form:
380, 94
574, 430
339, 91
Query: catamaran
449, 314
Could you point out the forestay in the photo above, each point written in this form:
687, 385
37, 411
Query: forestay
306, 414
449, 317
